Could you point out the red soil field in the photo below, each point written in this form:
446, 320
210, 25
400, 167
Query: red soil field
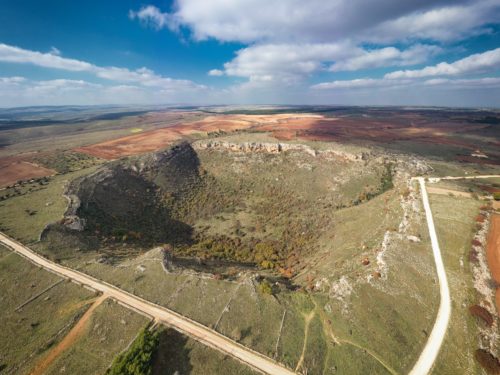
294, 126
493, 254
157, 139
489, 189
132, 144
15, 168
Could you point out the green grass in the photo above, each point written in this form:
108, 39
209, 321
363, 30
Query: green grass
48, 203
109, 331
455, 225
316, 348
177, 352
383, 321
253, 319
68, 161
348, 359
292, 338
27, 334
387, 320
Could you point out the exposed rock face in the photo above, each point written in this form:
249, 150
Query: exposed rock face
74, 222
273, 148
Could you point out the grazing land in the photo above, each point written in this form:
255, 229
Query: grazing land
109, 331
38, 309
296, 232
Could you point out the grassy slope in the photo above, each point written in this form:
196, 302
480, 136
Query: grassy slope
373, 321
180, 353
109, 331
454, 220
28, 333
383, 320
49, 203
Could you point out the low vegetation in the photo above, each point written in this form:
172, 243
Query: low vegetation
38, 309
219, 206
46, 202
108, 332
137, 360
67, 161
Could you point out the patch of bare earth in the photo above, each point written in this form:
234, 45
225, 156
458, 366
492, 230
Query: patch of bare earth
442, 191
68, 340
307, 319
14, 168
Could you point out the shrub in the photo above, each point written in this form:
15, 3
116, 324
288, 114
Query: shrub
496, 195
481, 313
265, 287
476, 243
480, 218
473, 256
487, 361
138, 359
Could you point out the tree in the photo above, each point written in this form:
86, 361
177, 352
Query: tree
137, 360
265, 287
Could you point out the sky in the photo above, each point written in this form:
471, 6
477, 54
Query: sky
332, 52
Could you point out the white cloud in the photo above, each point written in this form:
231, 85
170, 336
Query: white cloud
316, 21
285, 63
290, 63
142, 76
473, 83
152, 16
363, 83
55, 51
447, 23
216, 73
358, 83
289, 40
48, 60
19, 91
388, 56
12, 80
478, 62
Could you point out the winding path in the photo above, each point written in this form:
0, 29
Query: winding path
185, 325
431, 350
428, 356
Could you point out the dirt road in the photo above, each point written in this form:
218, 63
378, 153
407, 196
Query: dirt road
430, 352
68, 340
179, 322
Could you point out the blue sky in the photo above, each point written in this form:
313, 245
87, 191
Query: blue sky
425, 52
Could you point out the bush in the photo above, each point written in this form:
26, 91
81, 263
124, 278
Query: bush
496, 195
265, 287
481, 313
138, 359
487, 361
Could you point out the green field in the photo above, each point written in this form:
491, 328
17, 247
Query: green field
25, 216
177, 352
29, 332
109, 331
455, 226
